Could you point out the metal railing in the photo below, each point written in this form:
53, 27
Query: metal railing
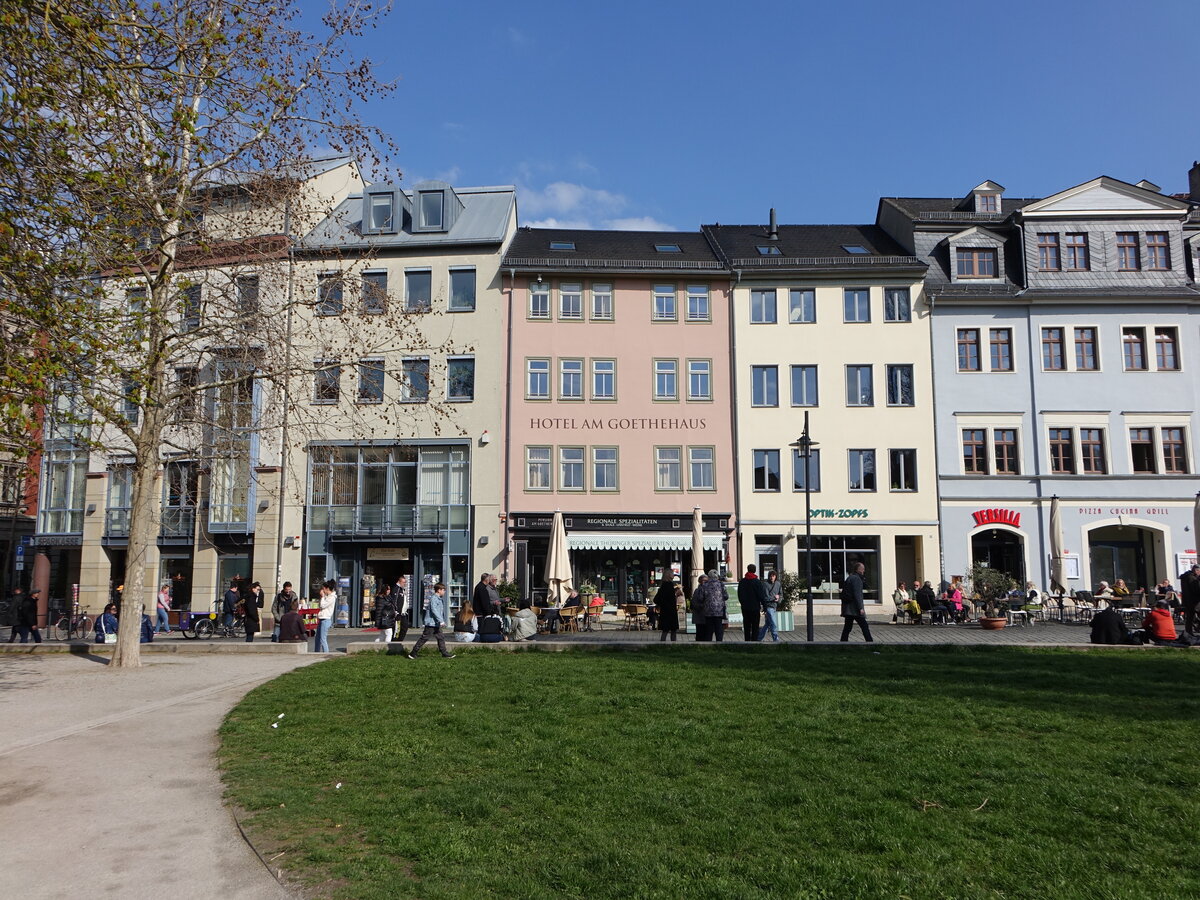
177, 522
825, 261
568, 262
390, 519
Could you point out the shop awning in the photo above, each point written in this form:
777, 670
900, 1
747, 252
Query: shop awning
634, 540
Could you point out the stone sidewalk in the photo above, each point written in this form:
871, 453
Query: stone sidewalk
110, 781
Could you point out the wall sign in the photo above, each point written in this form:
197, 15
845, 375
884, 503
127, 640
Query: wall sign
996, 517
387, 553
839, 513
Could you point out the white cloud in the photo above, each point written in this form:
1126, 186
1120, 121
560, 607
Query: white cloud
566, 197
638, 223
560, 223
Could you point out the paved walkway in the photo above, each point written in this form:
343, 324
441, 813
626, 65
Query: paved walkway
110, 784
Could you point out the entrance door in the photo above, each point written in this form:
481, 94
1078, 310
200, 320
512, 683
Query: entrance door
177, 571
1119, 553
230, 567
1001, 550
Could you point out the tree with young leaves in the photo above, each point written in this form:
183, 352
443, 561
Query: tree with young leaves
153, 154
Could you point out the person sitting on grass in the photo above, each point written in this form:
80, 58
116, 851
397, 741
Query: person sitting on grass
1159, 625
523, 625
1109, 628
291, 626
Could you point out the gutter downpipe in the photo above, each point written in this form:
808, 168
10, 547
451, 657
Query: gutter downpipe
287, 380
733, 417
931, 299
512, 286
1043, 574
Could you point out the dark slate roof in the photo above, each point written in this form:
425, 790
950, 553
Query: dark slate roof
809, 247
614, 251
950, 208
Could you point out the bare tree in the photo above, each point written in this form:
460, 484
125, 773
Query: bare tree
158, 170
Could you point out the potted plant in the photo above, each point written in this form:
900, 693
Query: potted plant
791, 595
510, 594
989, 587
587, 590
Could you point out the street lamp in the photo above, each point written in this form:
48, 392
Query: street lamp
805, 445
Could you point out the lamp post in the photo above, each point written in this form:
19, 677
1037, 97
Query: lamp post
805, 445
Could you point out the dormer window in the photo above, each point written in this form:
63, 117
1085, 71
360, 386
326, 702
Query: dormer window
383, 212
769, 250
975, 262
562, 245
432, 207
987, 203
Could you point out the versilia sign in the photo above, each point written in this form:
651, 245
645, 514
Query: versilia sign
997, 517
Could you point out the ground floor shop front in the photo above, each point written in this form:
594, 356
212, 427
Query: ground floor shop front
889, 551
623, 556
1140, 543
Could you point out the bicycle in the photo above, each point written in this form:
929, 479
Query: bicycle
213, 627
76, 626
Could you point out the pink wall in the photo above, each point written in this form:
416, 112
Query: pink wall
635, 422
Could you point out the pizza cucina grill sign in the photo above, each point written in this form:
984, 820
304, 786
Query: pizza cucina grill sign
997, 517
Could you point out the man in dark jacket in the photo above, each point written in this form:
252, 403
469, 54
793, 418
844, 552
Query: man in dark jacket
752, 594
853, 606
229, 603
27, 617
1189, 588
280, 606
1109, 628
481, 598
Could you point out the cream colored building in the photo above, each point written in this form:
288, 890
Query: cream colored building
831, 321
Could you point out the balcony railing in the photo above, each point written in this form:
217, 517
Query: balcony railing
177, 522
390, 520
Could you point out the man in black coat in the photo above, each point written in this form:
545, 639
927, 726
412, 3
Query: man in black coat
27, 617
1109, 628
481, 598
752, 594
853, 606
1189, 588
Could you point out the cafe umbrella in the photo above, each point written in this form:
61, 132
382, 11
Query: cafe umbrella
1058, 565
558, 562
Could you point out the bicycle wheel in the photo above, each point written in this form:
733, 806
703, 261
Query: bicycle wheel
83, 628
204, 628
62, 629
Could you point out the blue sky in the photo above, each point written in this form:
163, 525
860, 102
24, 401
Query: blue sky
666, 114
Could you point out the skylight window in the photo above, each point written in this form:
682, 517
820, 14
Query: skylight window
562, 245
770, 250
667, 248
856, 249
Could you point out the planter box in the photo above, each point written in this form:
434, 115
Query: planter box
992, 624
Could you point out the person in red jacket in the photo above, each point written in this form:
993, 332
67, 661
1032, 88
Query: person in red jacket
1159, 625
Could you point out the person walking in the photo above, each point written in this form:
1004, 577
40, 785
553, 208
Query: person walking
26, 621
163, 609
435, 618
853, 606
14, 605
385, 616
252, 619
327, 602
751, 597
280, 607
1189, 589
668, 613
229, 604
709, 603
400, 601
774, 593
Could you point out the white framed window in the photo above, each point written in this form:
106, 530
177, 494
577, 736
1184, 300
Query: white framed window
604, 379
856, 305
813, 474
539, 300
899, 384
537, 469
570, 469
537, 379
897, 305
699, 379
902, 465
329, 294
570, 379
414, 379
460, 378
699, 306
666, 379
762, 307
664, 303
860, 386
804, 386
802, 306
605, 470
462, 290
667, 466
374, 293
382, 208
766, 471
418, 290
570, 301
602, 302
862, 470
431, 206
327, 380
701, 469
764, 385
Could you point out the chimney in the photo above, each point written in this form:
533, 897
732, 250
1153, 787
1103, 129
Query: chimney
773, 233
1148, 186
1194, 182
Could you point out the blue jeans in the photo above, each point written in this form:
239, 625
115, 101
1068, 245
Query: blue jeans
322, 644
769, 613
163, 622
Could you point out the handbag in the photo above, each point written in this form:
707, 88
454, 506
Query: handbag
109, 637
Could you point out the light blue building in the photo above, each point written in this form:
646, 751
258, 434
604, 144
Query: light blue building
1064, 331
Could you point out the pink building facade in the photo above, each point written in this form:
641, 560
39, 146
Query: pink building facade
618, 407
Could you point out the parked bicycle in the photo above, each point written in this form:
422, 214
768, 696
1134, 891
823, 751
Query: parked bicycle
215, 627
76, 626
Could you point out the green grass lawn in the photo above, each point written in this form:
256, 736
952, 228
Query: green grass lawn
728, 773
